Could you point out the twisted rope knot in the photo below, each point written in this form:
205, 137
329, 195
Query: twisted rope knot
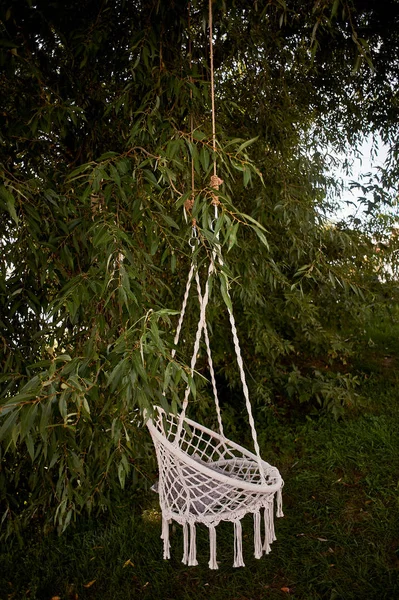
216, 182
188, 205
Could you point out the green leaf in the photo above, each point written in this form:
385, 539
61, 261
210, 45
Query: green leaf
8, 424
173, 263
261, 236
205, 158
115, 175
225, 292
30, 446
334, 9
199, 135
45, 418
86, 405
150, 177
246, 144
246, 176
193, 387
232, 236
7, 43
62, 404
168, 219
10, 201
121, 474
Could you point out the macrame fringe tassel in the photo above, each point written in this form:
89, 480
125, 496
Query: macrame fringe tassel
257, 535
185, 544
279, 512
238, 558
192, 557
270, 535
165, 538
212, 548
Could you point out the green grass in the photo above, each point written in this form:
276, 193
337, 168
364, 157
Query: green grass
339, 538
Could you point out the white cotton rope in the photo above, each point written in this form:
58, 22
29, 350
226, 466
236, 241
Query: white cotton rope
238, 557
212, 85
269, 527
212, 547
185, 543
192, 557
165, 538
210, 364
183, 308
203, 304
279, 512
257, 535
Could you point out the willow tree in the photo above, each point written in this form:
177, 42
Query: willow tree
104, 109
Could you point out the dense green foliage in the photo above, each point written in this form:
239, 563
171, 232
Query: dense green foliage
95, 160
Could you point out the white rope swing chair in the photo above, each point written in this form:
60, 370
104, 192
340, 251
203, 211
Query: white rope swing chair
203, 476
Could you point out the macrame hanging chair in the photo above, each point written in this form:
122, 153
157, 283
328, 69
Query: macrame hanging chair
203, 476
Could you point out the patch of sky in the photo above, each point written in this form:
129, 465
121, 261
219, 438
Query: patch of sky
359, 176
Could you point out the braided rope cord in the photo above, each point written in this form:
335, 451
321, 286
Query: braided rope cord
183, 308
204, 329
203, 301
212, 87
210, 363
237, 349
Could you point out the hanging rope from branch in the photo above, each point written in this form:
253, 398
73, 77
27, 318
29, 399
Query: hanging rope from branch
215, 180
190, 51
189, 203
212, 86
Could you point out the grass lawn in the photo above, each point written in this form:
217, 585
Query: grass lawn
339, 538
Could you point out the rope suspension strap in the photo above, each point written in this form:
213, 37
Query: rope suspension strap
189, 203
212, 88
203, 300
215, 180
